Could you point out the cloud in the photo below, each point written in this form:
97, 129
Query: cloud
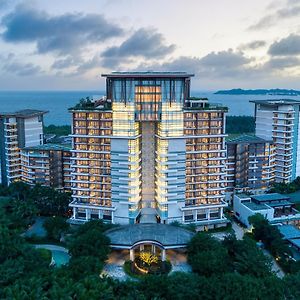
66, 62
11, 65
213, 65
291, 10
286, 46
281, 63
62, 34
253, 45
145, 43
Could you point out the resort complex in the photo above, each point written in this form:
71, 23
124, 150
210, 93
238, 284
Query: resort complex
149, 152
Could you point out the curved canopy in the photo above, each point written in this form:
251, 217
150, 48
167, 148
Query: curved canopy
125, 237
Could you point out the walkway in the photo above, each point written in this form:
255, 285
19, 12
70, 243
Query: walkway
52, 247
148, 215
238, 230
275, 267
37, 229
178, 260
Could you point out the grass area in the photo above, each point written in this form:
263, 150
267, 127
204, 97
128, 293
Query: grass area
127, 270
43, 240
46, 254
228, 229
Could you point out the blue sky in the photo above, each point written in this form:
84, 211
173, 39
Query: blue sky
226, 43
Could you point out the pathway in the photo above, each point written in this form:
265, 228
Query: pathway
238, 230
37, 228
148, 215
115, 271
52, 247
275, 267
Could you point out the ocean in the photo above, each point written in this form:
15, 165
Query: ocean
58, 102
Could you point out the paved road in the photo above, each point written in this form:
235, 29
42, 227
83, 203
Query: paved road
238, 230
275, 267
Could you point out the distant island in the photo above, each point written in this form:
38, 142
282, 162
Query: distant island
280, 92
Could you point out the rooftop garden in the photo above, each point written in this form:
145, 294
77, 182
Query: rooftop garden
88, 104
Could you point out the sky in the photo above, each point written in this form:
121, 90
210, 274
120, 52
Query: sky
67, 45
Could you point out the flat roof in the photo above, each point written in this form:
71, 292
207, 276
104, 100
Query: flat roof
295, 242
24, 113
49, 146
269, 197
148, 74
280, 203
255, 206
289, 231
246, 138
275, 101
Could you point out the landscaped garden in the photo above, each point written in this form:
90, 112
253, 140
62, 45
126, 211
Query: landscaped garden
228, 269
147, 263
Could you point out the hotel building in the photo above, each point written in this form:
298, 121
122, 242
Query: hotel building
47, 165
148, 152
278, 120
18, 130
250, 163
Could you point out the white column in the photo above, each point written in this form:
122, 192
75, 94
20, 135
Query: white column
112, 217
131, 254
74, 212
195, 215
207, 214
163, 254
221, 214
86, 214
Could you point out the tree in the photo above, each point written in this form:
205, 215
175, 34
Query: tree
89, 244
55, 227
207, 256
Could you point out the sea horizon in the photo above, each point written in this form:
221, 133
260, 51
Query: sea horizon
57, 102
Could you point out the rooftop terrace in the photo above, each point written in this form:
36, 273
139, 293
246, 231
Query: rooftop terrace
88, 104
276, 101
269, 197
25, 113
245, 138
48, 147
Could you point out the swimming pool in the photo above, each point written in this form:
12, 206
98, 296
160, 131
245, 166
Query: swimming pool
60, 254
60, 257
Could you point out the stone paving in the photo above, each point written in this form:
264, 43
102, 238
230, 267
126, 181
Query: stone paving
115, 271
114, 266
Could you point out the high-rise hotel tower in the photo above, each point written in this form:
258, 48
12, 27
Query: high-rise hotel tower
148, 152
279, 120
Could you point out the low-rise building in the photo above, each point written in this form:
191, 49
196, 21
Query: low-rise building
291, 234
276, 208
48, 165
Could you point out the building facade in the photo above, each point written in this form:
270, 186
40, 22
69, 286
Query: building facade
47, 165
250, 163
278, 120
276, 208
17, 130
149, 153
